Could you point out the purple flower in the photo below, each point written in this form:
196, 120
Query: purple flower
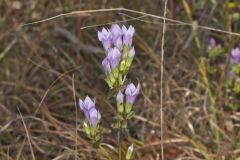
89, 110
105, 37
114, 57
230, 74
131, 52
212, 42
116, 32
132, 92
128, 35
106, 65
94, 116
112, 60
87, 104
235, 56
120, 97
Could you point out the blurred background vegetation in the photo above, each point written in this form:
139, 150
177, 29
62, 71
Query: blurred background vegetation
39, 64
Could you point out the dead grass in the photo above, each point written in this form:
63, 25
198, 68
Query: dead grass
40, 63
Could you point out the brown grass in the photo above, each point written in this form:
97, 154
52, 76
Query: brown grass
46, 67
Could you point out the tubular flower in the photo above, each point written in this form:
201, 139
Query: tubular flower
128, 35
212, 42
112, 60
105, 37
131, 52
91, 113
106, 65
94, 116
230, 74
116, 35
114, 57
120, 97
131, 93
235, 56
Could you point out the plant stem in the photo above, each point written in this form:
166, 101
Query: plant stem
119, 145
213, 120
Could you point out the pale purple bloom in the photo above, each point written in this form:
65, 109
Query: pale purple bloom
235, 56
106, 38
112, 60
230, 74
132, 92
106, 65
128, 35
131, 52
116, 32
120, 97
212, 42
87, 104
118, 42
89, 110
114, 57
94, 116
124, 29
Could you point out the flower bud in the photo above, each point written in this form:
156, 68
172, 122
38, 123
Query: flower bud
128, 108
129, 152
131, 93
120, 97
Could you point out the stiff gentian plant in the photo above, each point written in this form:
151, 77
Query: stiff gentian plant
117, 42
234, 77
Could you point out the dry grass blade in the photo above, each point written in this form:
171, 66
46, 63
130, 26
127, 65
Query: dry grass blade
45, 66
76, 109
6, 50
161, 78
131, 11
27, 134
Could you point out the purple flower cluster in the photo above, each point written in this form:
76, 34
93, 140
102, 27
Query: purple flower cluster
91, 113
235, 56
116, 40
116, 36
131, 94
